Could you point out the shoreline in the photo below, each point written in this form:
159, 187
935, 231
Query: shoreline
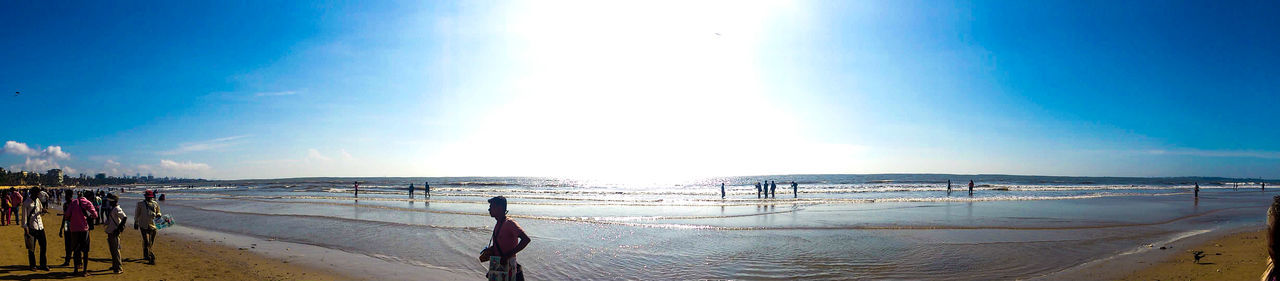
178, 258
1231, 254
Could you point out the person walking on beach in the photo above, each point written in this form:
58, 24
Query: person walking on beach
33, 229
15, 203
426, 186
62, 227
146, 212
80, 213
4, 207
970, 187
115, 224
508, 239
722, 190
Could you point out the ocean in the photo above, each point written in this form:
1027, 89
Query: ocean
890, 226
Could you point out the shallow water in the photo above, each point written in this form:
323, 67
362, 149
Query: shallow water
838, 229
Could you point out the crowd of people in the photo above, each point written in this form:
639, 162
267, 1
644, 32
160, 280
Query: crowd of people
82, 210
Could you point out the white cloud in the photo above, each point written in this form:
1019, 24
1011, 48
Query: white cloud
275, 94
56, 152
17, 148
1218, 153
112, 163
53, 151
174, 166
314, 155
37, 160
204, 145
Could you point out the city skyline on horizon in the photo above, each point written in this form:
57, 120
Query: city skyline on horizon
603, 90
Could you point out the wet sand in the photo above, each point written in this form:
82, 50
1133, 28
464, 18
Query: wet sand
1239, 256
178, 258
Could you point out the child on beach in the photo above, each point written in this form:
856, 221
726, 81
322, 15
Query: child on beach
507, 240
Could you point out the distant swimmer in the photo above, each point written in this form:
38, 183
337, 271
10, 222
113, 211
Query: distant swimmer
1197, 190
795, 190
970, 187
722, 190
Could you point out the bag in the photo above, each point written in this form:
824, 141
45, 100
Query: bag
499, 268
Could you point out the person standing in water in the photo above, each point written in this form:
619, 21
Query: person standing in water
795, 190
410, 190
773, 189
948, 186
970, 187
508, 240
427, 187
722, 190
356, 185
1197, 190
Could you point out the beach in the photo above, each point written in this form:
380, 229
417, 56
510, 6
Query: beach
1238, 256
836, 228
178, 258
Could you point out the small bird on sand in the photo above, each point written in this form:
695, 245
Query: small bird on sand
1197, 255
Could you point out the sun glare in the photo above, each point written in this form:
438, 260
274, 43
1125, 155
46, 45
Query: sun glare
625, 92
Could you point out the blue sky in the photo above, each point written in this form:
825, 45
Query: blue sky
267, 89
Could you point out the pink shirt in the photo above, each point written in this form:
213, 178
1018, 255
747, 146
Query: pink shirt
75, 217
508, 237
15, 198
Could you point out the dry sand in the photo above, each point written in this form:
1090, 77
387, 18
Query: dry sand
1239, 256
177, 259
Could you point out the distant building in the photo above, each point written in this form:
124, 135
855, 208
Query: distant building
53, 177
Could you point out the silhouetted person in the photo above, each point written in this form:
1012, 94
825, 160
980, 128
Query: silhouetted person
773, 189
1273, 241
508, 240
356, 186
427, 186
722, 190
970, 187
1197, 190
948, 187
795, 190
410, 190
